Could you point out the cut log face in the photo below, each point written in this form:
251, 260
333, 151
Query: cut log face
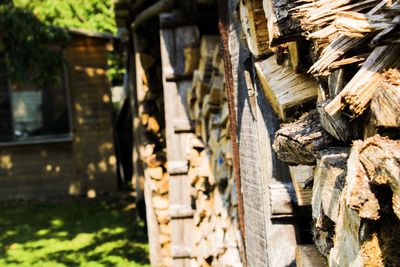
254, 25
285, 89
282, 27
385, 103
298, 143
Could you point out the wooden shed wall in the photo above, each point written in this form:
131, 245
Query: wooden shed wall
85, 163
36, 171
89, 88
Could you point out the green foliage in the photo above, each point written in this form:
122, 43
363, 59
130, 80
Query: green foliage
26, 41
29, 27
97, 15
83, 233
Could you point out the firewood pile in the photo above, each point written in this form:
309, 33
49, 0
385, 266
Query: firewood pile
150, 145
330, 70
216, 236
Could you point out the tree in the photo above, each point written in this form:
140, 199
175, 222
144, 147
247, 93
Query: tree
97, 15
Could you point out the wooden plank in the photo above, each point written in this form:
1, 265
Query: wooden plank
183, 126
280, 233
301, 175
282, 200
178, 167
180, 211
308, 256
173, 44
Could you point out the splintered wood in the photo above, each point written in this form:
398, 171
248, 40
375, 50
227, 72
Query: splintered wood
343, 150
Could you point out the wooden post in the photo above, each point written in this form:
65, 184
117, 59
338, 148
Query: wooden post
173, 44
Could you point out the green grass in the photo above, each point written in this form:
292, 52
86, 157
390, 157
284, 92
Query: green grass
86, 233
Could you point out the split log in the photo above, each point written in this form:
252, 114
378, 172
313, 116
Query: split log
359, 195
336, 125
153, 125
364, 242
163, 185
298, 143
385, 103
160, 202
192, 57
254, 25
294, 55
329, 180
155, 160
155, 173
146, 151
347, 240
217, 57
380, 157
359, 91
282, 27
286, 90
323, 233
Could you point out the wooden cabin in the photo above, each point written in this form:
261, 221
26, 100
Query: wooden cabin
58, 141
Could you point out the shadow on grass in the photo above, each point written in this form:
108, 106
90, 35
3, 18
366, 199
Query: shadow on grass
72, 233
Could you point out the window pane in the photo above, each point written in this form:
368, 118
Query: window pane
27, 113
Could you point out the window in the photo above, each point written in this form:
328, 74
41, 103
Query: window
31, 112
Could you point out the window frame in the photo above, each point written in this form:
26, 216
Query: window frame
50, 138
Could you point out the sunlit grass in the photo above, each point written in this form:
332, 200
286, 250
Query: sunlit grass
86, 233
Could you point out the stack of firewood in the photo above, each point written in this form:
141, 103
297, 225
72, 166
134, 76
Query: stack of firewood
216, 235
150, 145
330, 70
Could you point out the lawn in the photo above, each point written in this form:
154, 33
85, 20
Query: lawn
73, 233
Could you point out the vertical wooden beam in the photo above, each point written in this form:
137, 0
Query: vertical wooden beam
173, 43
223, 9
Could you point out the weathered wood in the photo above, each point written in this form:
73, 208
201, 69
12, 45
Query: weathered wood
282, 200
282, 27
329, 180
385, 103
173, 41
359, 194
335, 125
156, 258
308, 256
285, 89
298, 143
359, 91
180, 211
178, 167
380, 158
192, 57
254, 25
301, 176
